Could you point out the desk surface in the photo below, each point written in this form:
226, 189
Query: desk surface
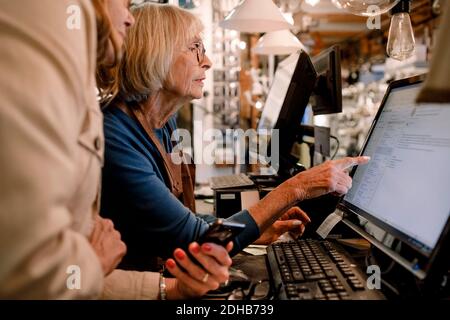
253, 266
203, 207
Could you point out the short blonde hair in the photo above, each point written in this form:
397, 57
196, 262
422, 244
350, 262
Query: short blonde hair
159, 33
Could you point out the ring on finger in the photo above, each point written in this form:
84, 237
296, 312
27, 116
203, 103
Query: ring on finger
205, 277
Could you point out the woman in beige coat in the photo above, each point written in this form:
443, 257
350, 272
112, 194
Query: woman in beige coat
52, 242
52, 150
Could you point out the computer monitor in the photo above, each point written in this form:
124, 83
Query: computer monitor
327, 94
285, 105
403, 193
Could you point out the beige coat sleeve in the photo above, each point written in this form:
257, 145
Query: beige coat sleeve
131, 285
437, 85
46, 70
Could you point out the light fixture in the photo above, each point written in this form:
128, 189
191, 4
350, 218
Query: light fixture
292, 6
255, 16
312, 3
280, 42
289, 17
259, 105
242, 45
401, 41
365, 7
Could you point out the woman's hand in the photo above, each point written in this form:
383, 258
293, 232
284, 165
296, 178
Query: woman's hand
195, 281
293, 221
107, 244
329, 177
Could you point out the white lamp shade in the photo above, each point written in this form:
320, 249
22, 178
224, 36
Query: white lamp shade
280, 42
255, 16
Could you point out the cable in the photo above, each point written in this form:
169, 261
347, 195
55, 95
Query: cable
337, 146
390, 286
388, 269
397, 249
384, 282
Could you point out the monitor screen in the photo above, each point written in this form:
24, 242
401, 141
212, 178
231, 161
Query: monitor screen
405, 187
286, 102
327, 94
278, 91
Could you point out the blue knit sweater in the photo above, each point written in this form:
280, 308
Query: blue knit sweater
135, 195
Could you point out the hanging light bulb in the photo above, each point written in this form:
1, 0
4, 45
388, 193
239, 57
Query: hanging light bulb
364, 7
401, 41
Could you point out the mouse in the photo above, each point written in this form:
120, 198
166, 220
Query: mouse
237, 279
238, 275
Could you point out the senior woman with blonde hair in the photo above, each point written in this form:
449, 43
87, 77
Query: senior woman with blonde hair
113, 19
150, 198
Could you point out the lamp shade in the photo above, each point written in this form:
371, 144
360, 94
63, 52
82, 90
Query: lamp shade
255, 16
278, 43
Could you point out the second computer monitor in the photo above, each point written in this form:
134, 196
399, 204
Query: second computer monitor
286, 102
289, 94
327, 94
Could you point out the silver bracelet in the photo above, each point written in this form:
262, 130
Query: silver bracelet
162, 287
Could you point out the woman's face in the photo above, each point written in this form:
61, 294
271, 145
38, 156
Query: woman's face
187, 73
121, 20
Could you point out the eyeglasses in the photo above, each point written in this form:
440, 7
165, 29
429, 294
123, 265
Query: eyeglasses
199, 49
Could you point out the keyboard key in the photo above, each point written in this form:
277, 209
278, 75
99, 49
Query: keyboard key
303, 288
317, 276
298, 276
313, 269
230, 181
330, 274
305, 296
340, 288
358, 286
328, 289
333, 296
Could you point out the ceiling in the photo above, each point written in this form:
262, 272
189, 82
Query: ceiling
324, 24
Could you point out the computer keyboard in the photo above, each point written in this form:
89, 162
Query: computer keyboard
231, 181
316, 270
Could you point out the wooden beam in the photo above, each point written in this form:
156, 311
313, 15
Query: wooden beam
339, 34
345, 18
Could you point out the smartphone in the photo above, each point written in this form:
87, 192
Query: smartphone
221, 232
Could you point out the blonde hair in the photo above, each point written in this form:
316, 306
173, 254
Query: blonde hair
160, 31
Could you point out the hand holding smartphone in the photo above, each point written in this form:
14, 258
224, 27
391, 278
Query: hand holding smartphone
221, 232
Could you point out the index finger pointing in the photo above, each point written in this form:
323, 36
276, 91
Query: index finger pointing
348, 162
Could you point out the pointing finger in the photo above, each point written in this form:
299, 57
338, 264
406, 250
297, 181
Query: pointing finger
348, 162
